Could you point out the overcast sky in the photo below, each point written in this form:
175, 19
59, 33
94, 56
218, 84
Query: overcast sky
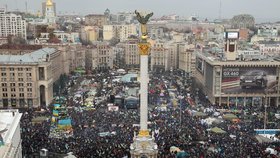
262, 10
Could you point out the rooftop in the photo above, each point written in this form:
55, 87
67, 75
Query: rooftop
216, 58
33, 57
9, 120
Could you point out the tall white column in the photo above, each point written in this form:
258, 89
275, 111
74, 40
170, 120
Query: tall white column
144, 79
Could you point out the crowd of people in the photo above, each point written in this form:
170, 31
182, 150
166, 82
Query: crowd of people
102, 133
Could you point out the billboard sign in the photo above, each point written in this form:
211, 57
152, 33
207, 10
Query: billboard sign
249, 80
232, 35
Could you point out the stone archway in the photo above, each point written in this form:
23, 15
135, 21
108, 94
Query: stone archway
42, 95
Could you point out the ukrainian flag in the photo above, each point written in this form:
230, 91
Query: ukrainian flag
55, 112
64, 124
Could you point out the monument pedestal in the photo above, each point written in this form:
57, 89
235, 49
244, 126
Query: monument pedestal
143, 147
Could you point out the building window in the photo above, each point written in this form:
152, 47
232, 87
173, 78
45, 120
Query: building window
29, 84
3, 79
3, 69
3, 74
5, 94
21, 94
12, 69
20, 69
29, 102
13, 89
28, 69
20, 74
20, 79
29, 89
12, 84
20, 84
29, 95
21, 89
13, 95
28, 74
4, 89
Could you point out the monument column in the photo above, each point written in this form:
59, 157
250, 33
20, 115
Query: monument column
143, 145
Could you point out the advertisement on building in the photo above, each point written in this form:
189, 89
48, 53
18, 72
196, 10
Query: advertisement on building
249, 80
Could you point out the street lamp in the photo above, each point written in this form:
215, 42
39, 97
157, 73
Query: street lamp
265, 117
180, 97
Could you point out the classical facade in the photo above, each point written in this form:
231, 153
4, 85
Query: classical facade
27, 80
131, 53
102, 56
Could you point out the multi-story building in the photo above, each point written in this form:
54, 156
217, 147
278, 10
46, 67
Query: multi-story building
27, 80
89, 33
10, 140
131, 53
96, 20
102, 56
72, 56
238, 82
119, 57
267, 31
122, 32
270, 48
62, 36
12, 24
165, 55
187, 59
159, 57
156, 33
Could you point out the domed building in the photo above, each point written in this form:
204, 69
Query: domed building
243, 21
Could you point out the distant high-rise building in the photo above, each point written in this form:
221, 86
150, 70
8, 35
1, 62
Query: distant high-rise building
12, 24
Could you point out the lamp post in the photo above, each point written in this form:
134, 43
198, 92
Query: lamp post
180, 97
265, 117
